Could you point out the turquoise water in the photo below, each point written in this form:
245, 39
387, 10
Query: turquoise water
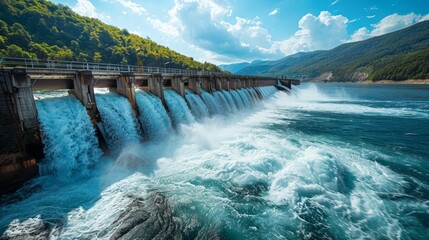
335, 161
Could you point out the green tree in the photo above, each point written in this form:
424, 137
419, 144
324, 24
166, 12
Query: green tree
97, 57
4, 31
19, 36
15, 51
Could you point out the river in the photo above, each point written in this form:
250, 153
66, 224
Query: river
331, 161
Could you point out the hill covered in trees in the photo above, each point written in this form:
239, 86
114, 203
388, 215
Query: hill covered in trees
44, 30
399, 55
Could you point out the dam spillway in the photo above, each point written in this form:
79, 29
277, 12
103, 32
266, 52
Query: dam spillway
123, 103
70, 141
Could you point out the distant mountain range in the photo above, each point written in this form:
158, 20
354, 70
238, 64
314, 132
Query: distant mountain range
399, 55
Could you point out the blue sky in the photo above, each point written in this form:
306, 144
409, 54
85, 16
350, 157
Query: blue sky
227, 31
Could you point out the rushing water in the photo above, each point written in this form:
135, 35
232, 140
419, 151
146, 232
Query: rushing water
154, 120
179, 110
119, 124
71, 147
196, 104
334, 162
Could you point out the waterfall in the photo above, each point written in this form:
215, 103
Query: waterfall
119, 123
230, 100
255, 94
71, 147
251, 96
179, 110
211, 103
223, 102
267, 91
237, 99
153, 118
261, 92
244, 97
198, 108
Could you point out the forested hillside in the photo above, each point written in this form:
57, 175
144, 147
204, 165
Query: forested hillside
44, 30
399, 55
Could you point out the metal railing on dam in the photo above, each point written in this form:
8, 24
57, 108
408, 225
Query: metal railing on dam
29, 63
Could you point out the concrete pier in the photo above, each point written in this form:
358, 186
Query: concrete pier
156, 87
19, 130
225, 83
208, 84
24, 98
178, 84
125, 86
218, 84
194, 84
10, 123
83, 85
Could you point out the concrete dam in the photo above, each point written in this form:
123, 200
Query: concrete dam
58, 117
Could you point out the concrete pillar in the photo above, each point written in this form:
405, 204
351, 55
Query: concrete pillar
287, 83
22, 112
208, 84
251, 82
155, 86
84, 91
225, 84
218, 83
233, 83
125, 87
10, 124
238, 83
194, 84
23, 95
178, 85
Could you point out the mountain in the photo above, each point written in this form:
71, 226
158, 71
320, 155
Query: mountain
237, 67
399, 55
44, 30
234, 67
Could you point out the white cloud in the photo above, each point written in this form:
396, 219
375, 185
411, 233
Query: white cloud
315, 33
132, 6
372, 16
164, 27
274, 12
85, 8
335, 2
242, 38
388, 24
208, 30
360, 34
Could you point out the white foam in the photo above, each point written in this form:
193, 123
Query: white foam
311, 99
